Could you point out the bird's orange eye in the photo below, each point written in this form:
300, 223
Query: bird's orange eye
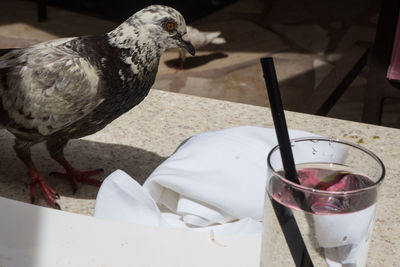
170, 26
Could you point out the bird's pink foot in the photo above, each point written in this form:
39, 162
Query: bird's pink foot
48, 192
75, 176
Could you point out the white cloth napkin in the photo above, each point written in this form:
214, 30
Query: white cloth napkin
216, 181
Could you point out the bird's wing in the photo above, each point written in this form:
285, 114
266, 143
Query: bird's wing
196, 37
200, 39
47, 87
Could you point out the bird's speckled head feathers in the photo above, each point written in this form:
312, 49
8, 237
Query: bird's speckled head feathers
157, 15
157, 26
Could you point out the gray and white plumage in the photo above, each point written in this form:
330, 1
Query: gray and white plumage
54, 85
72, 87
200, 39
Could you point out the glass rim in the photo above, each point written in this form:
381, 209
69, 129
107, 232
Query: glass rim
324, 192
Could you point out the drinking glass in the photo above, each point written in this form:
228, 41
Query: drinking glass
328, 218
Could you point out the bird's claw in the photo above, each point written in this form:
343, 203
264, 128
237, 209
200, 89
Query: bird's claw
56, 205
75, 176
47, 191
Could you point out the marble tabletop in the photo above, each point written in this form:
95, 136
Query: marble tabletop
141, 139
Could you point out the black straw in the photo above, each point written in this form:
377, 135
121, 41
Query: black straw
285, 216
282, 133
278, 116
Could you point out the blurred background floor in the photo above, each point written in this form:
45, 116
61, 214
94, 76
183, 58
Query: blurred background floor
306, 39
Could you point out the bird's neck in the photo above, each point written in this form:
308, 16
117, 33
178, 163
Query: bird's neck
138, 42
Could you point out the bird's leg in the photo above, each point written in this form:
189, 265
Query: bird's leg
24, 153
181, 59
179, 66
56, 147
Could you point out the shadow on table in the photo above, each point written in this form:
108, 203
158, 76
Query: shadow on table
83, 155
192, 62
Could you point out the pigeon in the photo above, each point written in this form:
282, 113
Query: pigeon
72, 87
199, 40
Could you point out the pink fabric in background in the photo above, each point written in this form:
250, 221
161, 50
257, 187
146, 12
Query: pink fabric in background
393, 72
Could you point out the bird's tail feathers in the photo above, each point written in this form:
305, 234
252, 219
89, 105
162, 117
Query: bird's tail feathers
4, 51
211, 35
219, 40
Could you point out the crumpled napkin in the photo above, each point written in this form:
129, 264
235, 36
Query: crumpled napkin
216, 181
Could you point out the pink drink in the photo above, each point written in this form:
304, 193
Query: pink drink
333, 179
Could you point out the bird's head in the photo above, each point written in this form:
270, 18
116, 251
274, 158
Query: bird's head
162, 24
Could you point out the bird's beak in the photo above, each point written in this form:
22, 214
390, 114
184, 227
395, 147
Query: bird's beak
185, 43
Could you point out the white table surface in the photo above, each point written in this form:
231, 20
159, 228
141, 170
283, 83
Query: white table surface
140, 140
36, 236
